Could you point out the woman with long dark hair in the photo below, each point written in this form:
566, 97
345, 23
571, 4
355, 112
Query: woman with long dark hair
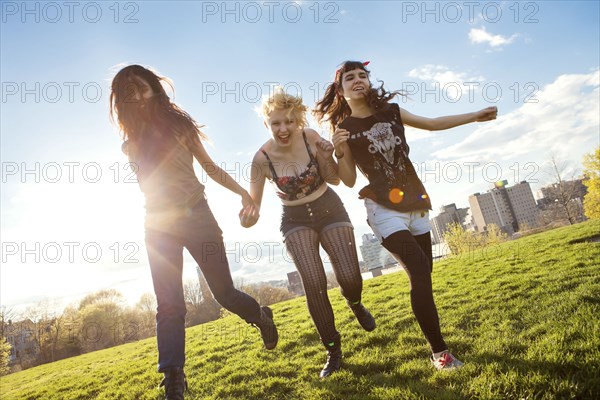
161, 141
368, 133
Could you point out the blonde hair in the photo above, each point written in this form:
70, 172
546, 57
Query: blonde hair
280, 100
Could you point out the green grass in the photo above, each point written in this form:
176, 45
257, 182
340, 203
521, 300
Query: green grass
524, 316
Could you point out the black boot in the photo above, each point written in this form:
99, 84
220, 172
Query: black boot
364, 317
175, 384
334, 357
268, 330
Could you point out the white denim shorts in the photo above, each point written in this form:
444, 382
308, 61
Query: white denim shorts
385, 221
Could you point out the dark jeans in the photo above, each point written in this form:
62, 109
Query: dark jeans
197, 231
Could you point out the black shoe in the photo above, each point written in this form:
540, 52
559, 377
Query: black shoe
268, 330
334, 359
364, 317
175, 384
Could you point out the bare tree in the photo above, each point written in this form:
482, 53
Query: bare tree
192, 292
147, 303
7, 317
563, 197
266, 294
108, 296
48, 327
146, 309
100, 320
200, 303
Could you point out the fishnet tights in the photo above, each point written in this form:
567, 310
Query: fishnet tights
338, 242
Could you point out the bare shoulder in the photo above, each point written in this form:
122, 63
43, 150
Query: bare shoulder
261, 162
312, 135
259, 156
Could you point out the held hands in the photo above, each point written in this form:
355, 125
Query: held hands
249, 213
340, 138
487, 114
324, 148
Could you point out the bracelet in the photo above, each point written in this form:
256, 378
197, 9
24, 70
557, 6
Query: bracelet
338, 157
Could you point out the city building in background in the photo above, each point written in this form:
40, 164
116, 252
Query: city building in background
295, 283
374, 254
22, 338
510, 208
449, 214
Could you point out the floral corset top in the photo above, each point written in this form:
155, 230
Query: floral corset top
297, 187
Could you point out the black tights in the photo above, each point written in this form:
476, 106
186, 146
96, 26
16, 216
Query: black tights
415, 253
338, 242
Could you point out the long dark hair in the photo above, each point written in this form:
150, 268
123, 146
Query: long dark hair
135, 114
333, 108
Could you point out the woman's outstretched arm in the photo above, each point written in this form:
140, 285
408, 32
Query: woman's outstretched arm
449, 121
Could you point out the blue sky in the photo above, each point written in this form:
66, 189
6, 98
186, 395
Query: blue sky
71, 216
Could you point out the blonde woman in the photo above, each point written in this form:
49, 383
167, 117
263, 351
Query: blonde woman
300, 164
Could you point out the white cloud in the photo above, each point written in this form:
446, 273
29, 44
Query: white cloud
443, 81
478, 36
414, 134
564, 121
442, 74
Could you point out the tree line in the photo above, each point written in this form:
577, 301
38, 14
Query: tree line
101, 320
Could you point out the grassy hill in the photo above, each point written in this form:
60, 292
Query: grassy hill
524, 316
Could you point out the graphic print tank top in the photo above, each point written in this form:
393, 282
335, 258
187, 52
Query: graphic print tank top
379, 147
